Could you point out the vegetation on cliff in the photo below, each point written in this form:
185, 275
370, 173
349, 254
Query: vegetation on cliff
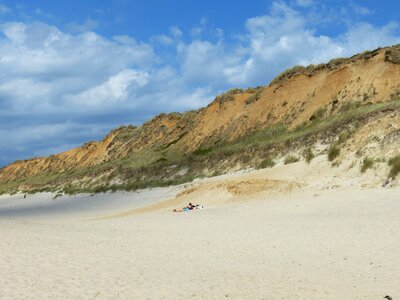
256, 127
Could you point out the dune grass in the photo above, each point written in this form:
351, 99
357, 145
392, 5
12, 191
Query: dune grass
367, 163
266, 163
394, 163
291, 159
308, 155
164, 166
333, 152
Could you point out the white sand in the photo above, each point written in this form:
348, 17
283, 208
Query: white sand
282, 242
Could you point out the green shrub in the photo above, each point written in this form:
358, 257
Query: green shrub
393, 56
160, 160
344, 136
319, 114
349, 106
235, 91
101, 189
131, 186
308, 155
333, 152
245, 159
216, 173
285, 75
255, 97
368, 54
367, 164
312, 68
395, 164
291, 159
337, 61
266, 163
228, 96
202, 151
70, 190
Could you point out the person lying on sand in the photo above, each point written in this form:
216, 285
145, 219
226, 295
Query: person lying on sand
189, 207
186, 208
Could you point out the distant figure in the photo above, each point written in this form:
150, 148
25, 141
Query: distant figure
387, 181
189, 208
24, 196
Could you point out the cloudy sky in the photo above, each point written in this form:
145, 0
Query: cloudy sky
70, 71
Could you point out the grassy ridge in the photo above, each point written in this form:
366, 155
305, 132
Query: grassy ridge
166, 166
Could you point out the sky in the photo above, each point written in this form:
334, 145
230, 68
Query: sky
71, 71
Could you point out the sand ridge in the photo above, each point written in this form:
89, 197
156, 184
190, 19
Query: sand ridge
219, 192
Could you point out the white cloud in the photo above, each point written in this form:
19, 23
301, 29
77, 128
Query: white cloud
198, 54
176, 31
15, 32
40, 58
363, 36
279, 40
117, 88
163, 39
47, 138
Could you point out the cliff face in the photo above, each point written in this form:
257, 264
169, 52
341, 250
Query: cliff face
295, 97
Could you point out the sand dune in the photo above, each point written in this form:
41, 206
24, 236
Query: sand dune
268, 234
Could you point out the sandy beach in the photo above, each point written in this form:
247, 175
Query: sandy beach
178, 150
268, 234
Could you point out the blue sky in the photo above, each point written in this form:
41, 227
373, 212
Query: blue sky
70, 71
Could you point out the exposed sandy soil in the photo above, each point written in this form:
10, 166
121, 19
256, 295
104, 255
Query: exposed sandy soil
291, 232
